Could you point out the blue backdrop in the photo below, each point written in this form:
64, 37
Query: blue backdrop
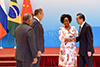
53, 9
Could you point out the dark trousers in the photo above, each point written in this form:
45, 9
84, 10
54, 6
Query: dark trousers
87, 60
23, 64
38, 63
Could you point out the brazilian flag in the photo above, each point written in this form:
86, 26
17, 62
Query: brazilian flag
14, 18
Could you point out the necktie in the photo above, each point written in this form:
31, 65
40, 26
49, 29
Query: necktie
79, 30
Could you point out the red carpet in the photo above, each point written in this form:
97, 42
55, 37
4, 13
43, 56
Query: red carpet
49, 57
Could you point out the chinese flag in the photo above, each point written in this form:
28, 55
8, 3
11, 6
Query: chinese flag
26, 8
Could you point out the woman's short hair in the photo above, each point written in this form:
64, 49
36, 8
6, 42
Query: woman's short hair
64, 16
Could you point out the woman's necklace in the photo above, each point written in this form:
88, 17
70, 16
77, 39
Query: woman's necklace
67, 27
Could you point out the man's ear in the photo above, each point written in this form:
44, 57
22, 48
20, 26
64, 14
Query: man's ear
39, 13
81, 18
27, 21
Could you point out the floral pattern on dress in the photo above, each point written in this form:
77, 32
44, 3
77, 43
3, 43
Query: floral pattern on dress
67, 54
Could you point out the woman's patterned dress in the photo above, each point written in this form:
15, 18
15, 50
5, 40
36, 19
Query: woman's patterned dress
67, 54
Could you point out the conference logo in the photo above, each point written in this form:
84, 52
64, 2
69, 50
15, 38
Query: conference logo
13, 12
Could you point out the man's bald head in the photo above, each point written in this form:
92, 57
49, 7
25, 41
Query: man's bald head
27, 18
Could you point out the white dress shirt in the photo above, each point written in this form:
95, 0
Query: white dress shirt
82, 25
36, 18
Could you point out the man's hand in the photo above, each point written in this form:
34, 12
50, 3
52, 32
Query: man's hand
89, 53
71, 39
34, 61
39, 53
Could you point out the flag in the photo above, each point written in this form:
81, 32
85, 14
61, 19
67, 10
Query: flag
26, 8
14, 18
3, 20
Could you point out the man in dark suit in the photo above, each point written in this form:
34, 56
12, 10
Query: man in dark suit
39, 33
85, 39
26, 49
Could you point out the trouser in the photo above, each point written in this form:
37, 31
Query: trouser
23, 64
87, 60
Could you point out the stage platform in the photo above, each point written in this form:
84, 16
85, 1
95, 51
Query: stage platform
49, 57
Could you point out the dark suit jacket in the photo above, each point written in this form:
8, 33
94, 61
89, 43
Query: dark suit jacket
25, 39
39, 35
85, 40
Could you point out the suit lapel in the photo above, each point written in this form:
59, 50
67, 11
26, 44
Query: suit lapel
40, 25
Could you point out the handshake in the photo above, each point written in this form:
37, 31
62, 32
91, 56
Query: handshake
70, 39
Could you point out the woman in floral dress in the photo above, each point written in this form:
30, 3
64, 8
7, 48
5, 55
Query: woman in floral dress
67, 54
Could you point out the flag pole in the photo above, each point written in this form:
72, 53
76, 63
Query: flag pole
1, 45
14, 44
